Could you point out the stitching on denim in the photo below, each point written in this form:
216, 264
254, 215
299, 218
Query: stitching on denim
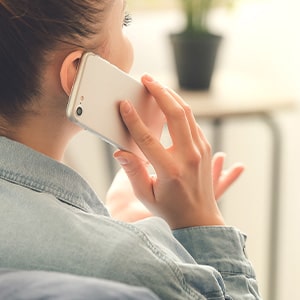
65, 196
178, 274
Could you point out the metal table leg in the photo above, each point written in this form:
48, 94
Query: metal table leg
274, 223
275, 208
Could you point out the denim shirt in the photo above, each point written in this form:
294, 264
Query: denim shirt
51, 220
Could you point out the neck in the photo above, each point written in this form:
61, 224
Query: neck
47, 136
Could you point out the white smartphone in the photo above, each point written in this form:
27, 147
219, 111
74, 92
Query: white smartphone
95, 97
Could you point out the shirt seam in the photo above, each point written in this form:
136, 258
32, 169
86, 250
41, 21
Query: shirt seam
174, 268
29, 182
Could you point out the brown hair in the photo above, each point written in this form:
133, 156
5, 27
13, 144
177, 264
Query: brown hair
28, 29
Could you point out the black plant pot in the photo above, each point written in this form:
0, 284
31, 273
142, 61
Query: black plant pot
195, 57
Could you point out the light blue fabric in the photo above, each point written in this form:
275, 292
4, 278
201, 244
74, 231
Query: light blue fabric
40, 285
51, 220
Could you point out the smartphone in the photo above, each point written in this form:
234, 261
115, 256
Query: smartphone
94, 102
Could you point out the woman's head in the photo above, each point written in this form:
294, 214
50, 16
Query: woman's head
36, 33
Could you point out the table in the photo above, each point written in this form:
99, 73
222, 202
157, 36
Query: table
237, 96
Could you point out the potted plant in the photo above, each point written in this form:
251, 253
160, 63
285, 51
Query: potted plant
196, 47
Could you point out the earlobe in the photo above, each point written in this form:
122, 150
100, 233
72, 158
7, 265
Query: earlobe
68, 70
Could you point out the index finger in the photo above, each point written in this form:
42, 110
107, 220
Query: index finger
174, 111
154, 151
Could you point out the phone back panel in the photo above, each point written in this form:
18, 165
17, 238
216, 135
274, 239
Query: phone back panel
95, 97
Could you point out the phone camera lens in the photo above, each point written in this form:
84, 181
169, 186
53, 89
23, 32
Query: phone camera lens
79, 111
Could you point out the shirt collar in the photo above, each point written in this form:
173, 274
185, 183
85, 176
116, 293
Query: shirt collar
24, 166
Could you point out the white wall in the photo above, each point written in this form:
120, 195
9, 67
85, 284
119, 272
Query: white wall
262, 38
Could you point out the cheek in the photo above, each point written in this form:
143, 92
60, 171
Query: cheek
121, 54
129, 56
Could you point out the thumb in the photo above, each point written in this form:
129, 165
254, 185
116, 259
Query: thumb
137, 172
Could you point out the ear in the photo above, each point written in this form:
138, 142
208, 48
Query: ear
68, 70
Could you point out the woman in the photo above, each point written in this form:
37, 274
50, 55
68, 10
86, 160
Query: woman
51, 219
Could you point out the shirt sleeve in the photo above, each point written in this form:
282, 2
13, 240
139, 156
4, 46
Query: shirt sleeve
222, 248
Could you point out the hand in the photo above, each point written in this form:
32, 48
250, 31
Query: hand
223, 179
182, 191
125, 206
121, 201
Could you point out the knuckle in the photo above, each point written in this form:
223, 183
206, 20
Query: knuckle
146, 139
161, 90
208, 148
176, 176
187, 108
133, 170
178, 113
174, 171
194, 158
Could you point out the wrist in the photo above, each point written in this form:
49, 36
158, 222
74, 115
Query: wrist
197, 221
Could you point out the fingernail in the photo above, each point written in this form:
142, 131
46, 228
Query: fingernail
121, 160
125, 107
223, 154
148, 78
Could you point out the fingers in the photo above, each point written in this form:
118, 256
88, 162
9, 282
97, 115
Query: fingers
223, 179
197, 134
187, 138
182, 191
181, 116
150, 146
137, 173
178, 114
217, 166
227, 179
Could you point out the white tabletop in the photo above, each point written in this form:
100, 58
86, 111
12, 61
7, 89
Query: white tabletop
234, 94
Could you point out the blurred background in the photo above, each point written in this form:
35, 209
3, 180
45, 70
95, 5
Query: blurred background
261, 43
